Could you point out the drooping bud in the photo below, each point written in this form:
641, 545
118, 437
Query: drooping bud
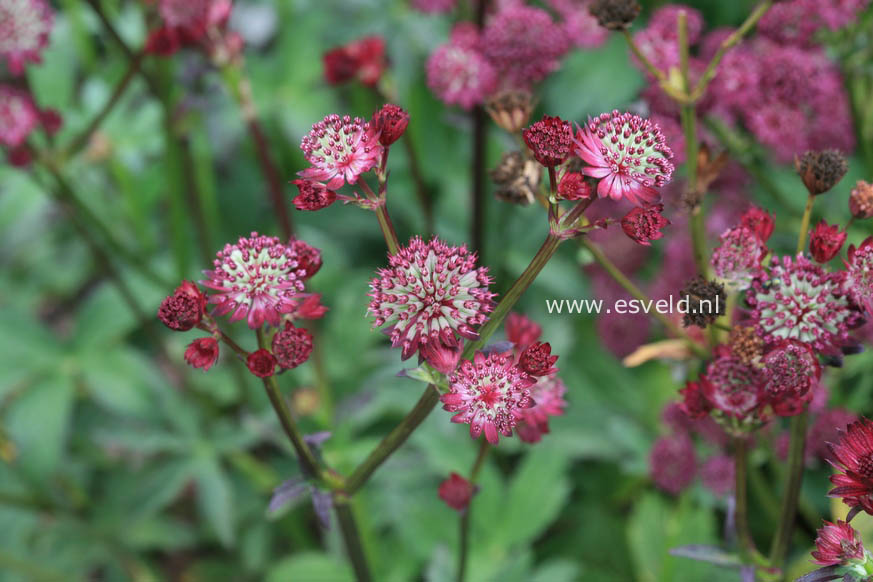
202, 353
517, 177
821, 170
615, 14
391, 121
456, 492
292, 346
644, 224
261, 363
511, 109
574, 187
184, 309
706, 302
313, 195
825, 241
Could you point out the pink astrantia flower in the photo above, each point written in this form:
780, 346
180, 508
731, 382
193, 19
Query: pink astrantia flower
837, 544
202, 353
489, 394
737, 259
186, 23
800, 301
313, 195
672, 463
521, 330
458, 73
18, 116
429, 293
859, 274
340, 149
790, 370
732, 386
853, 454
524, 44
580, 26
456, 492
258, 279
628, 154
718, 474
825, 241
24, 32
644, 224
548, 395
308, 257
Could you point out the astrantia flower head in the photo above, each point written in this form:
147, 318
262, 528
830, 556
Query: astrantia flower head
313, 195
523, 43
644, 224
489, 394
340, 149
859, 274
18, 116
861, 200
821, 170
363, 59
837, 544
799, 300
186, 23
24, 31
825, 429
429, 293
548, 396
759, 221
183, 309
292, 346
737, 259
718, 474
628, 154
261, 363
825, 241
458, 74
573, 187
694, 404
537, 359
521, 330
615, 14
391, 122
258, 278
732, 386
580, 26
790, 370
456, 492
550, 140
308, 257
202, 353
673, 464
853, 458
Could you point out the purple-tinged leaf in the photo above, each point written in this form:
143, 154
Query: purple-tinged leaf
822, 575
711, 554
287, 492
853, 512
322, 502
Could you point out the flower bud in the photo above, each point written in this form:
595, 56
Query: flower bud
261, 363
391, 121
183, 309
825, 241
615, 14
644, 224
821, 170
511, 109
550, 140
456, 492
537, 360
292, 346
573, 187
861, 200
202, 353
313, 195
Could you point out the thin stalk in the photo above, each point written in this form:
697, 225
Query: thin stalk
351, 537
762, 491
425, 199
477, 159
464, 538
385, 224
651, 68
742, 509
637, 293
804, 224
796, 451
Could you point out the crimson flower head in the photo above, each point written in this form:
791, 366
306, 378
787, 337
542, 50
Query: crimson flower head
859, 274
19, 116
644, 224
738, 257
391, 122
521, 330
548, 396
550, 140
489, 394
186, 23
456, 492
758, 221
430, 293
573, 187
340, 149
313, 195
628, 154
258, 279
837, 544
363, 59
308, 257
183, 309
694, 404
537, 359
791, 370
800, 301
673, 463
292, 346
24, 32
825, 241
852, 456
731, 385
261, 363
202, 353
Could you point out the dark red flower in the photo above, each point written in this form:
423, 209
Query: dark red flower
292, 346
456, 492
537, 360
673, 464
550, 140
202, 353
790, 369
731, 385
853, 455
362, 59
694, 404
163, 41
442, 358
310, 308
391, 122
521, 330
183, 309
837, 544
825, 241
19, 157
574, 187
758, 221
261, 363
644, 224
51, 120
308, 257
313, 195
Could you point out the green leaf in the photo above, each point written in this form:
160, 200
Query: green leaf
111, 381
215, 498
311, 567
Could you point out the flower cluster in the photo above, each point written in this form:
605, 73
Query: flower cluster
19, 118
189, 23
363, 60
340, 149
25, 26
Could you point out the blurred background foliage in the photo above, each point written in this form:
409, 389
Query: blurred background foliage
121, 464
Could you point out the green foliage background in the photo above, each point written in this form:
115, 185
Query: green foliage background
128, 466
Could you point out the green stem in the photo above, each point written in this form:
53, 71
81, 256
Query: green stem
742, 509
351, 537
804, 224
796, 451
464, 540
763, 493
638, 294
379, 207
651, 68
